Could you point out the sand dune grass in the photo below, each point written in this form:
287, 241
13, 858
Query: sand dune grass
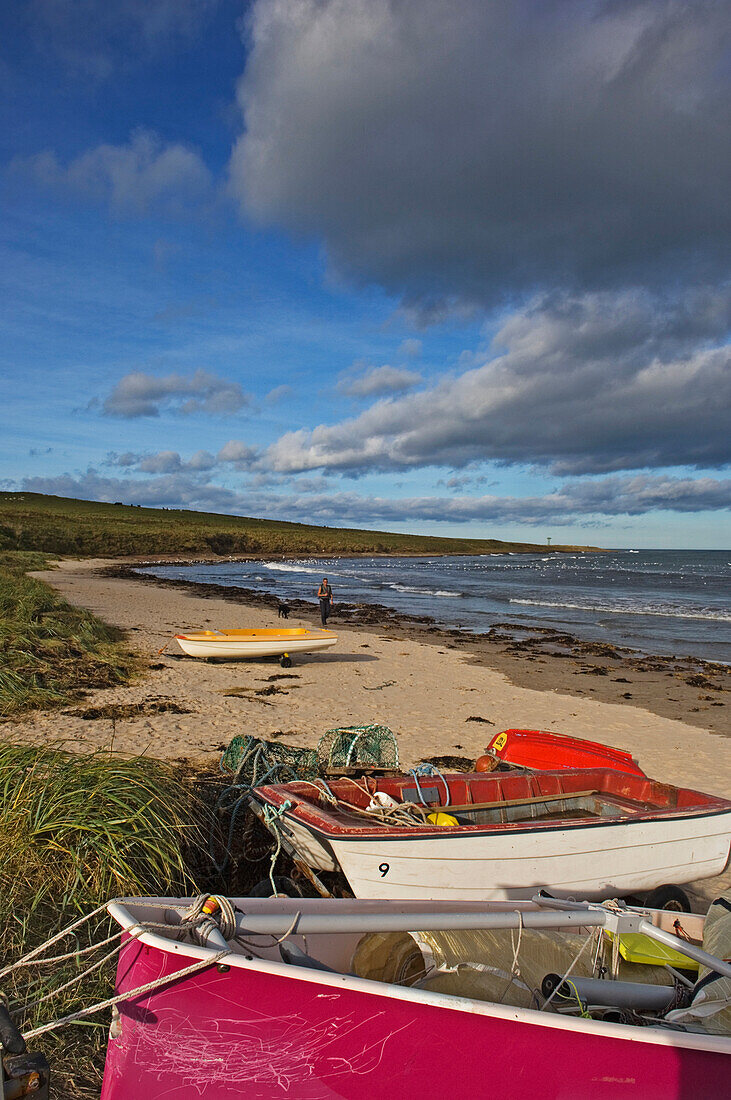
75, 831
49, 650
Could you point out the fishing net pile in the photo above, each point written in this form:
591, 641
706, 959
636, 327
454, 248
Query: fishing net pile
358, 747
495, 965
254, 761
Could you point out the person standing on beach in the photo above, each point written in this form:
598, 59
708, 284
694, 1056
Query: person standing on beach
325, 596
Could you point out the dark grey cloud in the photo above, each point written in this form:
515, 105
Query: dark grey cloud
576, 502
479, 150
585, 384
141, 394
365, 381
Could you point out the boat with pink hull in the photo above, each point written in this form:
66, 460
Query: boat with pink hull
319, 1016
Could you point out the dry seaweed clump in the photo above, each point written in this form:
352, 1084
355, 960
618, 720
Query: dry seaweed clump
77, 830
50, 651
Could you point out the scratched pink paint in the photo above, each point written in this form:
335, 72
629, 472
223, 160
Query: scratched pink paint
264, 1030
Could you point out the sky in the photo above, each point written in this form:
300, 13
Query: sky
406, 265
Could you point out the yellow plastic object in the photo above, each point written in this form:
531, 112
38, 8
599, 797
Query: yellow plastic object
636, 948
442, 819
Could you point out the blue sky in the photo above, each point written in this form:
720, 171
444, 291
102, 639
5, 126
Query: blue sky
459, 269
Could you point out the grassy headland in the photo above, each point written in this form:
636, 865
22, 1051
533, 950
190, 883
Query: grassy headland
61, 525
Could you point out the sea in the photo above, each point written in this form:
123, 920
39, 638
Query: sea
670, 602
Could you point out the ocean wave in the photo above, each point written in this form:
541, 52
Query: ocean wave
300, 567
421, 591
618, 609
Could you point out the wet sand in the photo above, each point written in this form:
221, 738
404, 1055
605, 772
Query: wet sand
441, 692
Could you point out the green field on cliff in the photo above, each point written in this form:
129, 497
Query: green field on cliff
61, 525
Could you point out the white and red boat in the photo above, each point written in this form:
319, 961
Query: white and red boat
578, 832
292, 999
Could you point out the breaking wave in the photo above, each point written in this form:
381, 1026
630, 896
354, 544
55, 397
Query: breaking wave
618, 609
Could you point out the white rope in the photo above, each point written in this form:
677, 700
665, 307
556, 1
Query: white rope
514, 967
75, 954
128, 996
54, 939
83, 974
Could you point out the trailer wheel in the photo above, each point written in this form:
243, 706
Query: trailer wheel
670, 897
286, 661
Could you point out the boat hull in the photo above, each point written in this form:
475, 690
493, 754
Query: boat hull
592, 862
549, 751
233, 646
263, 1030
588, 833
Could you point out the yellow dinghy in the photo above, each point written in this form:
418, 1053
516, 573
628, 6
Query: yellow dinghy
235, 644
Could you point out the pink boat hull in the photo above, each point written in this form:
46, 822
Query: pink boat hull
274, 1031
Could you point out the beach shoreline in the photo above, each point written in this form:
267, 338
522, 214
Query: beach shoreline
442, 693
549, 659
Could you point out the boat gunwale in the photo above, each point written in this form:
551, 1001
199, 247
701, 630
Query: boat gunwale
323, 822
715, 1044
266, 633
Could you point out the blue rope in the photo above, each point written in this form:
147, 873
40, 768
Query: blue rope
424, 770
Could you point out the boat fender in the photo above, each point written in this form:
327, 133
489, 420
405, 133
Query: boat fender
445, 820
486, 763
382, 801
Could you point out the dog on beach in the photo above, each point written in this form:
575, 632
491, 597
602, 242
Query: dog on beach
283, 611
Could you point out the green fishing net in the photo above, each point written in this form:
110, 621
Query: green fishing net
254, 761
358, 746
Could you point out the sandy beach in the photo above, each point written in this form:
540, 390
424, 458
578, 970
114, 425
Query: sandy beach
440, 693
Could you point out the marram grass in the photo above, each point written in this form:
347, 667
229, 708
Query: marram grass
49, 650
77, 830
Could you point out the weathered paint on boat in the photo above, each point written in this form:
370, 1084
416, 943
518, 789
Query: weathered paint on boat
254, 643
263, 1030
650, 834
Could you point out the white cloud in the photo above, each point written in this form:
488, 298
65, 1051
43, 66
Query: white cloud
584, 384
238, 453
410, 348
140, 394
279, 393
377, 381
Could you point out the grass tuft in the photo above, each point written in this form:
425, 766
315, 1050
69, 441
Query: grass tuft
49, 650
77, 830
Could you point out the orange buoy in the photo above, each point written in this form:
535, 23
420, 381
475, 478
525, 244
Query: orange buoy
485, 764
